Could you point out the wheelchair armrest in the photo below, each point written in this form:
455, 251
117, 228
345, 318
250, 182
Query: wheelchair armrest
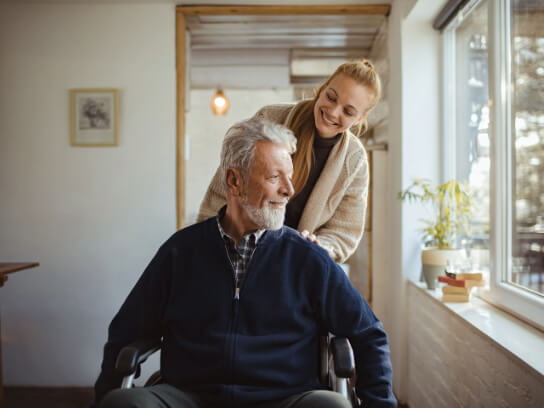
342, 354
130, 357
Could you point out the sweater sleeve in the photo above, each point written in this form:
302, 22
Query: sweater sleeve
345, 313
214, 199
140, 316
341, 234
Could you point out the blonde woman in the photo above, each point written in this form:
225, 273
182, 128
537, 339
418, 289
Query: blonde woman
330, 164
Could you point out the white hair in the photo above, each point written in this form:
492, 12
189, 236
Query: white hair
238, 149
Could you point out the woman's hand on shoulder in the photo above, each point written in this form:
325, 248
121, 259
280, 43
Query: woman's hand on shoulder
310, 237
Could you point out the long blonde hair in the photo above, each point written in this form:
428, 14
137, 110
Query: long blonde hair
303, 124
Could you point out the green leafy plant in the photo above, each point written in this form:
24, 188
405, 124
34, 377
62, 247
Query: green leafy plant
451, 201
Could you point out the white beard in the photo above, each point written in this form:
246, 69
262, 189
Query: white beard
266, 217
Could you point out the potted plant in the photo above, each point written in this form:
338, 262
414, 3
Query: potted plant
451, 204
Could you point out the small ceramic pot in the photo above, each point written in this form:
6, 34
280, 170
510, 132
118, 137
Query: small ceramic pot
434, 263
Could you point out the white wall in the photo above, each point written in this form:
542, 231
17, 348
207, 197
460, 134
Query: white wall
205, 132
414, 146
92, 217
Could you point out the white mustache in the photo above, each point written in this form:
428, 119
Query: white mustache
283, 201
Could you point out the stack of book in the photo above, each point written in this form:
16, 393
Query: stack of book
459, 286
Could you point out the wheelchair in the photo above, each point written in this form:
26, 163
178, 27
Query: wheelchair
337, 365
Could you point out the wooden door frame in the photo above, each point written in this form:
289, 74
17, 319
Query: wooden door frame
181, 70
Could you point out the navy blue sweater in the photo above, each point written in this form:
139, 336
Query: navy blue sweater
262, 346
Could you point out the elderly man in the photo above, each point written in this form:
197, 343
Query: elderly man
239, 301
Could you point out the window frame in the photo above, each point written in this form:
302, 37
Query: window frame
503, 294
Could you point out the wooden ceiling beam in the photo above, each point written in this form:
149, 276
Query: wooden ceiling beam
368, 9
333, 19
206, 29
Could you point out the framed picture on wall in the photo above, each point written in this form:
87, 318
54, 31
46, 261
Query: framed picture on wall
94, 117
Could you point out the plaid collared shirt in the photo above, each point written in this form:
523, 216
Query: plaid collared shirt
239, 257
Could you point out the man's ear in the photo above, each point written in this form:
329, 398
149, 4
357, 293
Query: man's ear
234, 181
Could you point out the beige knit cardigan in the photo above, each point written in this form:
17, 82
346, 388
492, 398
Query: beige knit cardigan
335, 210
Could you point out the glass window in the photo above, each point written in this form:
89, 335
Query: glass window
527, 101
472, 124
494, 51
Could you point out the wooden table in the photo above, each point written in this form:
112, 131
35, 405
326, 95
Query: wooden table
11, 267
5, 269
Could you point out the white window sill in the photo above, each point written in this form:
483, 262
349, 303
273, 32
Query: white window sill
510, 333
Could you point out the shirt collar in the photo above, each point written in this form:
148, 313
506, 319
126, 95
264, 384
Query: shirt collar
256, 234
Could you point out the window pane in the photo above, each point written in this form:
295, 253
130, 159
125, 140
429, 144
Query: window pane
472, 124
527, 68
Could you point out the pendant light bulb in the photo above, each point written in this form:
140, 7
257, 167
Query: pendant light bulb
220, 103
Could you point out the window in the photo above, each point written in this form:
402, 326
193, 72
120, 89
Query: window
527, 100
494, 139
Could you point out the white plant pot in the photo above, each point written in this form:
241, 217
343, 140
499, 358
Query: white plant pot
435, 256
434, 263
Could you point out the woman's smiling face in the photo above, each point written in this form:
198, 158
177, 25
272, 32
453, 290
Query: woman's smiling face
342, 103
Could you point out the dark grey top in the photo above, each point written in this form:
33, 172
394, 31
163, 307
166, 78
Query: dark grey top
321, 150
